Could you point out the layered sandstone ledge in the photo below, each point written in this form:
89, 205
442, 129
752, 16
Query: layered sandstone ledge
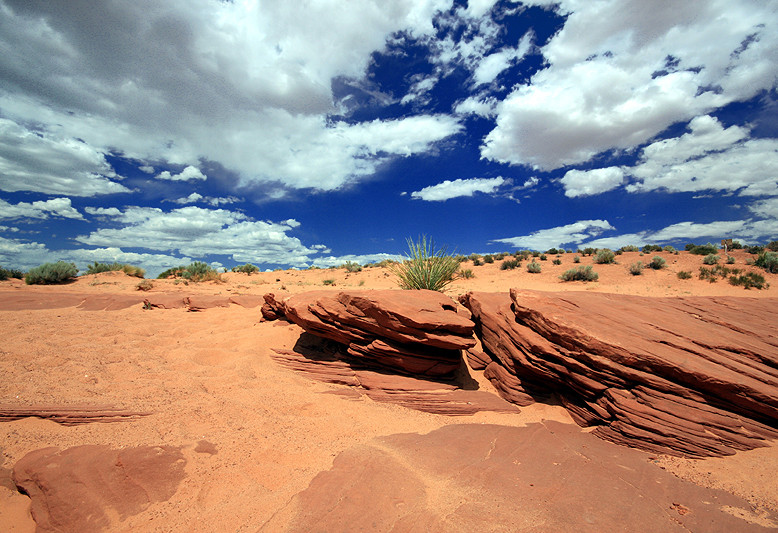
684, 376
690, 376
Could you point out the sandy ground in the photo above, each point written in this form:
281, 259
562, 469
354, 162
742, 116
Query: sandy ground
208, 376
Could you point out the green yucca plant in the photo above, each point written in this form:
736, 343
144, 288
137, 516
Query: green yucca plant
425, 267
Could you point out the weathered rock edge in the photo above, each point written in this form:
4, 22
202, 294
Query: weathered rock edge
418, 333
685, 376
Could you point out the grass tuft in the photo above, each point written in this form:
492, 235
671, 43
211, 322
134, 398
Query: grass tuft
425, 267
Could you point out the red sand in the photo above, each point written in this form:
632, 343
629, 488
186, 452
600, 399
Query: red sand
209, 377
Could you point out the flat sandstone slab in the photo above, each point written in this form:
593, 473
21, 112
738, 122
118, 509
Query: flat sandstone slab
478, 477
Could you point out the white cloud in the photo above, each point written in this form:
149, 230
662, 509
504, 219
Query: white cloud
767, 208
461, 187
103, 211
57, 207
589, 182
46, 162
709, 157
492, 65
753, 231
482, 106
197, 232
622, 71
183, 82
331, 261
189, 173
544, 239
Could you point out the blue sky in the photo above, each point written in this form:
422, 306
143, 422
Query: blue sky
289, 135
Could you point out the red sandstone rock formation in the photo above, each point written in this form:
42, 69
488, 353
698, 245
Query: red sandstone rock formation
691, 376
412, 332
87, 487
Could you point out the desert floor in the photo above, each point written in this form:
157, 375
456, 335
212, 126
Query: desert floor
208, 377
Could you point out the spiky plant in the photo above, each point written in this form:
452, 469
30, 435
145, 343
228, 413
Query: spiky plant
425, 267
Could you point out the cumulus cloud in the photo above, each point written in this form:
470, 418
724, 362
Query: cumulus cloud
709, 156
189, 173
56, 207
493, 64
621, 72
40, 161
215, 201
589, 182
748, 230
569, 234
197, 232
103, 211
331, 261
461, 187
164, 84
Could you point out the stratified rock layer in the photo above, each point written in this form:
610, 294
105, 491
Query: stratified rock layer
687, 376
411, 332
87, 488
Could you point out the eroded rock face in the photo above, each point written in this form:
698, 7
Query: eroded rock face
86, 488
411, 332
693, 376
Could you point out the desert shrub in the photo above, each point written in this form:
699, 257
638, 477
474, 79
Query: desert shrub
629, 248
6, 273
717, 271
425, 267
543, 257
649, 248
582, 273
557, 261
248, 268
735, 245
657, 263
636, 269
618, 252
329, 282
749, 280
501, 256
171, 272
710, 259
466, 274
523, 255
477, 262
588, 251
730, 260
669, 248
756, 249
768, 261
355, 267
533, 268
196, 271
382, 264
510, 264
576, 259
473, 257
50, 273
489, 259
604, 256
460, 258
130, 270
684, 274
144, 285
703, 249
772, 246
552, 251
